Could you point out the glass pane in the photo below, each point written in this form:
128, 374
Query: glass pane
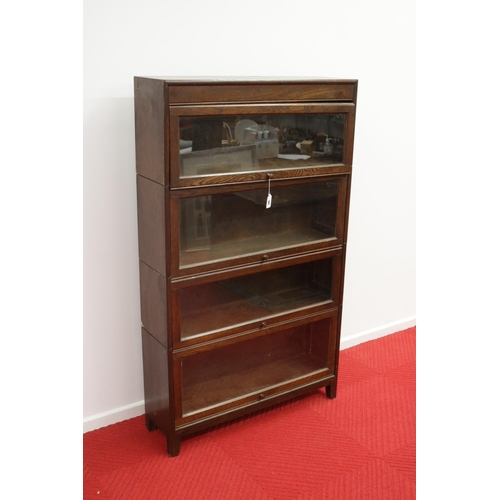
220, 375
230, 144
229, 225
212, 306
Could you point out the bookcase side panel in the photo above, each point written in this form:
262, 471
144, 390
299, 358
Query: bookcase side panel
151, 224
149, 108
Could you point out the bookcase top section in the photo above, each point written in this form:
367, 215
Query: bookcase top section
226, 90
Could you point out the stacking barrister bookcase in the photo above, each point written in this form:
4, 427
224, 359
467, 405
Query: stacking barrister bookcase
243, 201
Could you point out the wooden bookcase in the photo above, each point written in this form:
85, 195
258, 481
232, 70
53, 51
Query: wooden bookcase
243, 201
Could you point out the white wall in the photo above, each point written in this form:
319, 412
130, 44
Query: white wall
371, 41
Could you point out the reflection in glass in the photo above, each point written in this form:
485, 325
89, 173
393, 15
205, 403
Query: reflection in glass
213, 377
230, 225
220, 304
229, 144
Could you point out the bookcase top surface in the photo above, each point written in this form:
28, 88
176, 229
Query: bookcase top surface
214, 80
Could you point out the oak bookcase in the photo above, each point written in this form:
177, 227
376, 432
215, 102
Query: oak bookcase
243, 201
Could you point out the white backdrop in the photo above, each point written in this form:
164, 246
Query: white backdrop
371, 41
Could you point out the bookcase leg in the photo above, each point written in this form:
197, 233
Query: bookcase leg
331, 389
173, 446
150, 425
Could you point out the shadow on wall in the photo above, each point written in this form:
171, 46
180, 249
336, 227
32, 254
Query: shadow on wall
112, 368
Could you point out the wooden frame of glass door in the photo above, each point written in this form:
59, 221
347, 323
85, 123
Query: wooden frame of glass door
253, 257
176, 112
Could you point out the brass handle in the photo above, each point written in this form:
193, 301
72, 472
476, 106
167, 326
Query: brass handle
262, 396
263, 324
265, 256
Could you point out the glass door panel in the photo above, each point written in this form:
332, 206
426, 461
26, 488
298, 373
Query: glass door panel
229, 225
212, 145
254, 368
210, 307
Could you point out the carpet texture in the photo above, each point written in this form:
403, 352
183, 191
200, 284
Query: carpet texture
360, 445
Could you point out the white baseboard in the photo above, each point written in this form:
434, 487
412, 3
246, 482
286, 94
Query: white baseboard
375, 333
135, 409
113, 416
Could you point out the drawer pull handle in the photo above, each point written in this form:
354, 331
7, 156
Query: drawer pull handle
262, 396
265, 256
263, 324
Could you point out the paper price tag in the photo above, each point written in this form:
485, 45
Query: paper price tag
269, 195
269, 200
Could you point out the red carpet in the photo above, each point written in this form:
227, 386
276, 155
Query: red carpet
360, 445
